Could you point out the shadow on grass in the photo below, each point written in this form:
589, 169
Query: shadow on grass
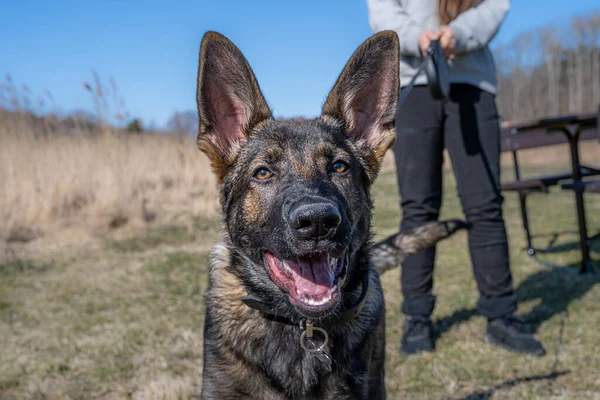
554, 288
553, 248
553, 235
552, 238
444, 324
563, 247
486, 394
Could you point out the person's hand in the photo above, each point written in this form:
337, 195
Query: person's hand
425, 38
447, 41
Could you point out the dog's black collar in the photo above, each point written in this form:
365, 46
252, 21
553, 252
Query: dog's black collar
270, 312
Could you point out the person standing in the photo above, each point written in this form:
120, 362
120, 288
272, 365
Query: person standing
467, 125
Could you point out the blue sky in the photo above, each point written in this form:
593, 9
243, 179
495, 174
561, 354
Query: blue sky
150, 47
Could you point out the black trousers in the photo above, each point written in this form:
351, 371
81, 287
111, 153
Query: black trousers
467, 125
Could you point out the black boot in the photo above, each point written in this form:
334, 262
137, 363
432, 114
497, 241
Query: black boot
513, 334
418, 335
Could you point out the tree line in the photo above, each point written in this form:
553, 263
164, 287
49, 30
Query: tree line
551, 71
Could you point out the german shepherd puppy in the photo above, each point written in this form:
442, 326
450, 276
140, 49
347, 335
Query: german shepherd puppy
294, 308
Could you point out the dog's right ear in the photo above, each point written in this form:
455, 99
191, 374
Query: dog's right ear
365, 95
229, 100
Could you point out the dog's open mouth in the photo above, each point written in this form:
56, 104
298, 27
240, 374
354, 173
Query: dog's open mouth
312, 281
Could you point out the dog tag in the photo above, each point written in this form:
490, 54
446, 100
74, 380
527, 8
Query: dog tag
325, 360
311, 347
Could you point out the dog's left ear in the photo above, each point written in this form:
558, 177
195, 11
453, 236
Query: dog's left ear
365, 95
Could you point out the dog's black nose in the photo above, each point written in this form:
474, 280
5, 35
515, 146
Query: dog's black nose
314, 220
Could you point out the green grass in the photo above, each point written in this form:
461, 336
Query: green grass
165, 235
125, 320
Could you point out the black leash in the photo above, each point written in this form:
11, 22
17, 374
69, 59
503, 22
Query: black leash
406, 90
436, 69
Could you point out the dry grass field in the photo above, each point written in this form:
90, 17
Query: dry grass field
103, 269
54, 183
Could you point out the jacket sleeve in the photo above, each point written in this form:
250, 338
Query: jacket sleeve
475, 28
389, 14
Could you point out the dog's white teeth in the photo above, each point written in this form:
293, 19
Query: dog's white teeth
318, 301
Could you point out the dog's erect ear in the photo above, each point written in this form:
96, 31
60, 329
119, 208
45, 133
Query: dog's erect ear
229, 100
365, 95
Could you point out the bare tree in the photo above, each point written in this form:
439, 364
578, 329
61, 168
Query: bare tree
551, 71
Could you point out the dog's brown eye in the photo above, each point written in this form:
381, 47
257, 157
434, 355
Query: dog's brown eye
339, 167
263, 174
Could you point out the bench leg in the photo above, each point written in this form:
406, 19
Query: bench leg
525, 217
573, 137
586, 263
523, 201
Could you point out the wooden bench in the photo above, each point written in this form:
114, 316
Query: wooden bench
541, 133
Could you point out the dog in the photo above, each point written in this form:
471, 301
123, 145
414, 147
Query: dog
294, 307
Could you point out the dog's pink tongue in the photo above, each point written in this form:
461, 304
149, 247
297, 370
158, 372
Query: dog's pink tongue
312, 275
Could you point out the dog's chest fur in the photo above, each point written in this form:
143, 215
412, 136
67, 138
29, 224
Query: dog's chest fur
248, 356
